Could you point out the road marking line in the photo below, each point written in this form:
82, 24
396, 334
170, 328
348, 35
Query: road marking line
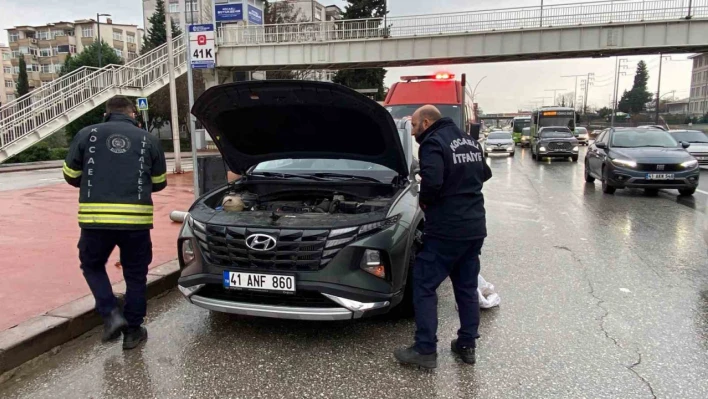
702, 192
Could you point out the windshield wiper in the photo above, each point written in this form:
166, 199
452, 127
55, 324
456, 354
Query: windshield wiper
287, 176
348, 177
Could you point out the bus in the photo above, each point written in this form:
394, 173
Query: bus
553, 116
452, 97
517, 126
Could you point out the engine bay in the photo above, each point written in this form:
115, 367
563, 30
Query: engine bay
292, 203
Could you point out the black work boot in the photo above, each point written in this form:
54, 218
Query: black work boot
133, 336
113, 325
411, 356
466, 353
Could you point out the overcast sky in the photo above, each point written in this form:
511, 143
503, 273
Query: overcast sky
506, 88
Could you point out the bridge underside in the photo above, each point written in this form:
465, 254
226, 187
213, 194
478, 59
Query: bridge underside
684, 36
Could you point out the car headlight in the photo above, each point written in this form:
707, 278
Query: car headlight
625, 163
575, 148
372, 263
690, 164
511, 147
542, 149
187, 248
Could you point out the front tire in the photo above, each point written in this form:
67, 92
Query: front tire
687, 191
606, 187
575, 158
652, 192
588, 177
405, 309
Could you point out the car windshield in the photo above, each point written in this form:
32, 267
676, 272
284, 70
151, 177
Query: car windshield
691, 136
499, 136
581, 130
643, 138
325, 166
402, 111
556, 133
526, 131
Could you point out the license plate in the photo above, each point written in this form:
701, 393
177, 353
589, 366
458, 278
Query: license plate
660, 176
259, 282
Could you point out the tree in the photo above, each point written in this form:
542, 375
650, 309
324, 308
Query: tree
635, 100
364, 78
156, 35
89, 57
22, 80
604, 112
565, 100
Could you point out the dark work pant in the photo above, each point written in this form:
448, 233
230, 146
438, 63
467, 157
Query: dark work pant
438, 260
95, 246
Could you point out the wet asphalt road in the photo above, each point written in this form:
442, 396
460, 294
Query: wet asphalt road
602, 297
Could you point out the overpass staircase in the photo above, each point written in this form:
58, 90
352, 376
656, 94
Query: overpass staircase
36, 115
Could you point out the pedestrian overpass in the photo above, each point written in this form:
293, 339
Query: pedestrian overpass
597, 29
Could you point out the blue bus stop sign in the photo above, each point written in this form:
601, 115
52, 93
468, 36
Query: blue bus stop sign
142, 104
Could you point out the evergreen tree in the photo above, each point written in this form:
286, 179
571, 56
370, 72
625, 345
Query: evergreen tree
635, 100
22, 80
156, 35
364, 78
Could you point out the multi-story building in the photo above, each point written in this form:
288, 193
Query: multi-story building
46, 47
698, 101
7, 84
184, 12
305, 10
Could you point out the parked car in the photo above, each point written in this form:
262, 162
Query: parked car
581, 134
698, 141
554, 142
499, 142
324, 222
641, 158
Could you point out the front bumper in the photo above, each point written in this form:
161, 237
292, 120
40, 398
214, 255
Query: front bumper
582, 140
349, 310
628, 178
557, 154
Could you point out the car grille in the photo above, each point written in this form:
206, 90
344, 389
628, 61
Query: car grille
303, 299
295, 250
703, 161
561, 146
652, 167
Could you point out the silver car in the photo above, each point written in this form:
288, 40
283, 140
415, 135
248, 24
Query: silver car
698, 141
581, 134
499, 142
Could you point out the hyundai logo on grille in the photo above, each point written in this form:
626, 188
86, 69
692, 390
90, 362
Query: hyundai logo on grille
660, 167
260, 242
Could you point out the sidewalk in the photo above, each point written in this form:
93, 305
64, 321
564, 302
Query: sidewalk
40, 265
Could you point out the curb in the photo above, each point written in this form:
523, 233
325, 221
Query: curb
40, 334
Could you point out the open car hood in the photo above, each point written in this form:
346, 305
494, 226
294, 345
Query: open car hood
257, 121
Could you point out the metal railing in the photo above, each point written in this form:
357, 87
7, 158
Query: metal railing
558, 15
53, 100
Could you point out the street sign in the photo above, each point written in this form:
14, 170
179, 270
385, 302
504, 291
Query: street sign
255, 15
142, 104
229, 12
201, 46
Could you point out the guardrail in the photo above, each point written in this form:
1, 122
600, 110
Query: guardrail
558, 15
36, 109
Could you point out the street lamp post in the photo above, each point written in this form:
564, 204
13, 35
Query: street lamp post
475, 87
100, 44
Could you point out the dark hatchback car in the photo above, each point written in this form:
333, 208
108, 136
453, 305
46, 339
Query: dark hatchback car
326, 221
554, 142
641, 158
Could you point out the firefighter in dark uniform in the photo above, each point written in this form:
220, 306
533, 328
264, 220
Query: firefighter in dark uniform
452, 171
117, 166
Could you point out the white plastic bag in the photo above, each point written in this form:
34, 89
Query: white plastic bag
488, 297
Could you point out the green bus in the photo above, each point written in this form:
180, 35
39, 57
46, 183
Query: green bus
517, 126
553, 116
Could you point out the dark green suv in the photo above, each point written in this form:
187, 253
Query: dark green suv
323, 223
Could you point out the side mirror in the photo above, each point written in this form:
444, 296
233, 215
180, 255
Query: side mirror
685, 144
601, 145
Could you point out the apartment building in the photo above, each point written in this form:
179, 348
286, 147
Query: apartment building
7, 84
698, 101
46, 47
186, 12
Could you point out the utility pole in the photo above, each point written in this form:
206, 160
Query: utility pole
618, 65
100, 44
575, 90
658, 89
174, 121
554, 94
588, 82
190, 94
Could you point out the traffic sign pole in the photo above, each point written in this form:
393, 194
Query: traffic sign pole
192, 125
